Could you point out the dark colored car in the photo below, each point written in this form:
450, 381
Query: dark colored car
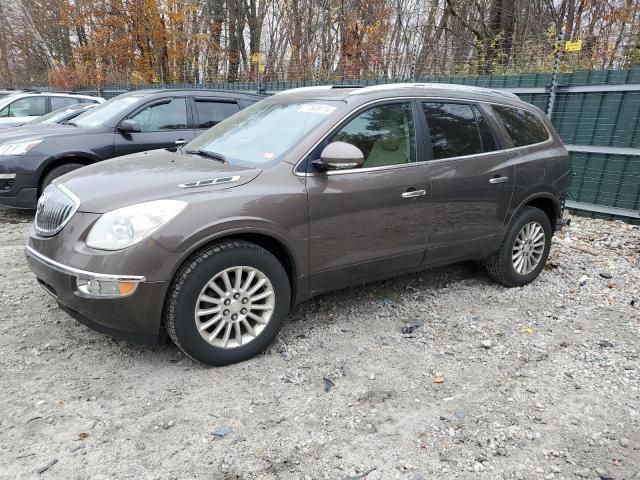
133, 122
303, 193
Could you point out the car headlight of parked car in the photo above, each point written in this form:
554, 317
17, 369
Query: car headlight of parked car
127, 226
19, 148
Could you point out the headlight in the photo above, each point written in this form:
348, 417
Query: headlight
127, 226
19, 148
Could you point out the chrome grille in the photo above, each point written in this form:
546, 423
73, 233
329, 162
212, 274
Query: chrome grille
56, 206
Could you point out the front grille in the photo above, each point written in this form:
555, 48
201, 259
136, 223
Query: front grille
56, 206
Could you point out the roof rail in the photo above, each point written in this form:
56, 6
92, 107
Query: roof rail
450, 86
315, 88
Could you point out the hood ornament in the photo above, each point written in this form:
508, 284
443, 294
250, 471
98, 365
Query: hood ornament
211, 181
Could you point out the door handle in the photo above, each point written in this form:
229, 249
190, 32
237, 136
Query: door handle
180, 142
414, 193
495, 180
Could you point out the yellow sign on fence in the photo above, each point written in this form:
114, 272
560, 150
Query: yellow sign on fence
573, 46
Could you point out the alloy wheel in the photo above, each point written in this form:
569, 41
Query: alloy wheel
234, 307
528, 248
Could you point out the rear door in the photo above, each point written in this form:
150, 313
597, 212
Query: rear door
208, 112
370, 221
472, 180
164, 123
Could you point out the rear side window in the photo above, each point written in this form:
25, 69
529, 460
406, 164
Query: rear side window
524, 127
488, 141
60, 102
211, 113
453, 129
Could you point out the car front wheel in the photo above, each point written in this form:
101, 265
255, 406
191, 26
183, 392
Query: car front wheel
228, 303
524, 250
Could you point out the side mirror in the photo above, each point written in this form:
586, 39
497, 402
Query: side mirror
339, 156
129, 126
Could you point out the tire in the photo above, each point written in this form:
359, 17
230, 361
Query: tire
186, 310
503, 266
58, 172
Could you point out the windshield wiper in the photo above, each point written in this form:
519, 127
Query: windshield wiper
71, 123
206, 153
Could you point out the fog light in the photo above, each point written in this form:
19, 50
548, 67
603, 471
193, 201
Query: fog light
105, 288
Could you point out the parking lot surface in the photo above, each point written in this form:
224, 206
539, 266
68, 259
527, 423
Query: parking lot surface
485, 382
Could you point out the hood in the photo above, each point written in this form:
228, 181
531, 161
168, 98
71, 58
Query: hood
147, 176
31, 131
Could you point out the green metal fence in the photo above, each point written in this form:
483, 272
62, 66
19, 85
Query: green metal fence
597, 114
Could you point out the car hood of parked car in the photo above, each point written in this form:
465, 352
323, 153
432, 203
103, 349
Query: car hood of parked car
152, 175
11, 134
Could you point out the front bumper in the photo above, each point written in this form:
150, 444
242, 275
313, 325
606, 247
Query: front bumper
135, 318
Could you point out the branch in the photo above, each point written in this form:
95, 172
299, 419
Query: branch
466, 24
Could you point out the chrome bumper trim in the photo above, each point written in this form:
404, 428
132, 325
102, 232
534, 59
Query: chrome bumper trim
30, 252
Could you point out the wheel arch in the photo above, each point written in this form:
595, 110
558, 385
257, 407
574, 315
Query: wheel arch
81, 158
267, 240
544, 201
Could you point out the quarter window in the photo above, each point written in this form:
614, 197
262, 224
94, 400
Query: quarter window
164, 116
212, 113
25, 107
385, 134
524, 127
453, 129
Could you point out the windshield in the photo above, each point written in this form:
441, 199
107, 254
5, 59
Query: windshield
55, 116
103, 113
263, 133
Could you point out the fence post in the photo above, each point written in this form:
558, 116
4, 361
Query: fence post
554, 78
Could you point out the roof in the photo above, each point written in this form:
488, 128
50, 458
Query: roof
200, 91
348, 92
14, 95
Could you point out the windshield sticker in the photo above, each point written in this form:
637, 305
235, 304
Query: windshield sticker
317, 108
268, 155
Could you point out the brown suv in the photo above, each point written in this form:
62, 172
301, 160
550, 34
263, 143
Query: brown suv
308, 191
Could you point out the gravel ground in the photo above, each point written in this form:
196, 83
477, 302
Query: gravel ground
535, 382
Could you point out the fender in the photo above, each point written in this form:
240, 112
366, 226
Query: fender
532, 196
199, 239
55, 159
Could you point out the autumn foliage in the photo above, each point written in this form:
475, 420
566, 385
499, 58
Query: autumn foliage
70, 43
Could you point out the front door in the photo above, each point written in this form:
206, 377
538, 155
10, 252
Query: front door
164, 124
472, 182
370, 222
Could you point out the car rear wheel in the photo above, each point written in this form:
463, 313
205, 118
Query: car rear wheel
58, 172
524, 250
228, 303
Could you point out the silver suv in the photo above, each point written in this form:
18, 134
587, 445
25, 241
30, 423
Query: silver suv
20, 108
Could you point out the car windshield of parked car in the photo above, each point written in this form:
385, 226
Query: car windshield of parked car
105, 112
263, 133
55, 116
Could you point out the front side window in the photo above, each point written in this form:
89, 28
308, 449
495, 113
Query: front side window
385, 134
211, 113
524, 127
25, 107
453, 129
169, 115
